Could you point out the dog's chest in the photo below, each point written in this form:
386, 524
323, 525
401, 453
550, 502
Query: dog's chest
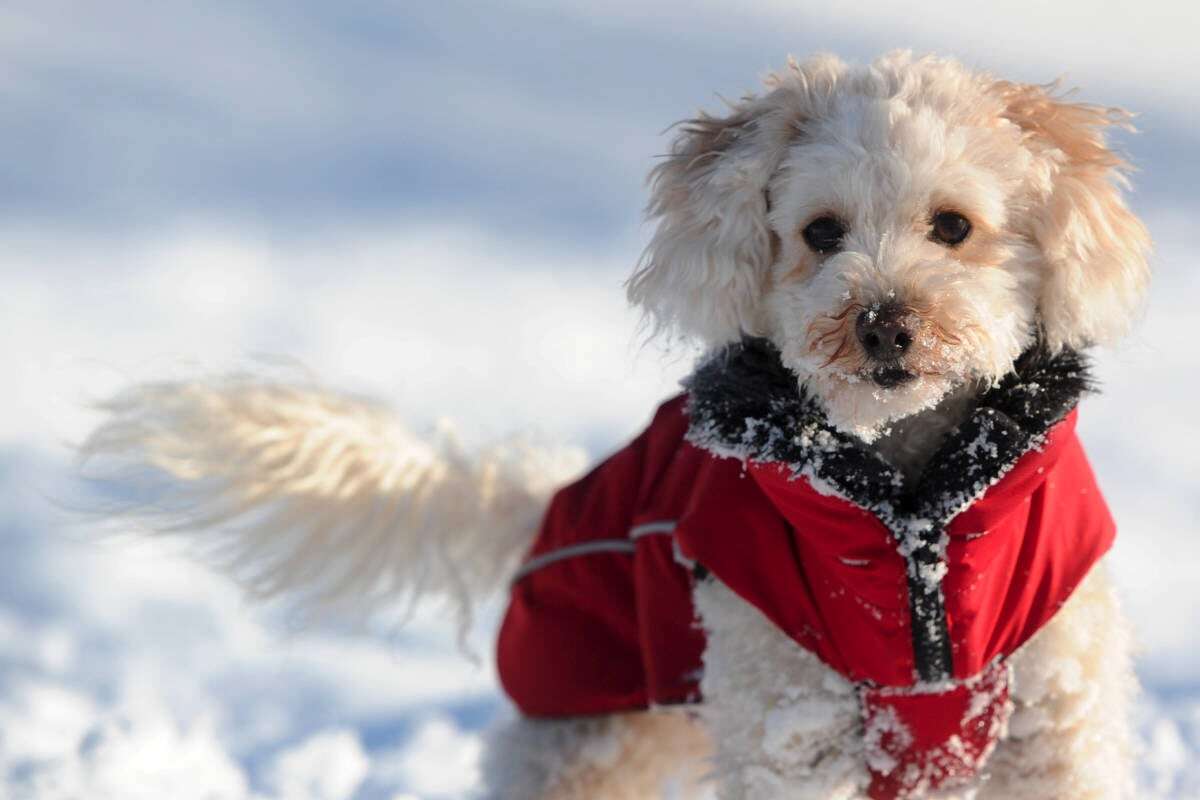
909, 444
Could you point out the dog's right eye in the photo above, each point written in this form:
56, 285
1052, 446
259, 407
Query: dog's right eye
824, 234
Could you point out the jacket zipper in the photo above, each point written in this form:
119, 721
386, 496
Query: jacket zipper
927, 612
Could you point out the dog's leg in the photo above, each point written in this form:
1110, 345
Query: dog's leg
635, 756
785, 725
1069, 736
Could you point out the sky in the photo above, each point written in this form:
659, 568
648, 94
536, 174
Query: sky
436, 204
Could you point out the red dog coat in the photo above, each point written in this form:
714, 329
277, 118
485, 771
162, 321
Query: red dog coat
917, 596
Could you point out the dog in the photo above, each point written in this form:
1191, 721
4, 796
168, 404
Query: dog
860, 556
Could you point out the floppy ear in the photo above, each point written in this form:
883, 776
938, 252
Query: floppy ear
1094, 248
704, 269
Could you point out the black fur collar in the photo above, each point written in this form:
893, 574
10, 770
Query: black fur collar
744, 403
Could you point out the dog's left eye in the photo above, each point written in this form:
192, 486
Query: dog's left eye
950, 227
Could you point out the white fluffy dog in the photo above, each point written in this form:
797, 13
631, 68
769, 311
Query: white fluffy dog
894, 267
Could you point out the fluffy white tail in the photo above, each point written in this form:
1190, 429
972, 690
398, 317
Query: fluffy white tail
324, 500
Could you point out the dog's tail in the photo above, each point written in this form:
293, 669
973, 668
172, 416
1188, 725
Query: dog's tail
324, 500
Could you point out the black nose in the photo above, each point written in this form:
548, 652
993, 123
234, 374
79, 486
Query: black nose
882, 333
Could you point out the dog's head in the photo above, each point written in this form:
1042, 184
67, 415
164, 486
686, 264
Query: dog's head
896, 230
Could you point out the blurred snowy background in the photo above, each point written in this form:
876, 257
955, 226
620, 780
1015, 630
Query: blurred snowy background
436, 204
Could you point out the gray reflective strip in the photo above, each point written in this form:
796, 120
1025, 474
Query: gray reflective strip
598, 546
647, 528
582, 549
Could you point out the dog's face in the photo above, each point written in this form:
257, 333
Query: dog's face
897, 230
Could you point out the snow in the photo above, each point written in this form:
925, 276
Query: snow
1169, 727
171, 203
326, 766
439, 760
129, 672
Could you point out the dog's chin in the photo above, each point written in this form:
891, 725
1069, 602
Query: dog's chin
866, 405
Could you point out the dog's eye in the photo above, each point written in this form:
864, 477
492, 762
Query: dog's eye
824, 234
950, 228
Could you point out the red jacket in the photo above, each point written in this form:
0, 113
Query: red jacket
917, 597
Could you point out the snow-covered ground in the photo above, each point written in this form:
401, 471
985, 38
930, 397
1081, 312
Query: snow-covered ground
437, 208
